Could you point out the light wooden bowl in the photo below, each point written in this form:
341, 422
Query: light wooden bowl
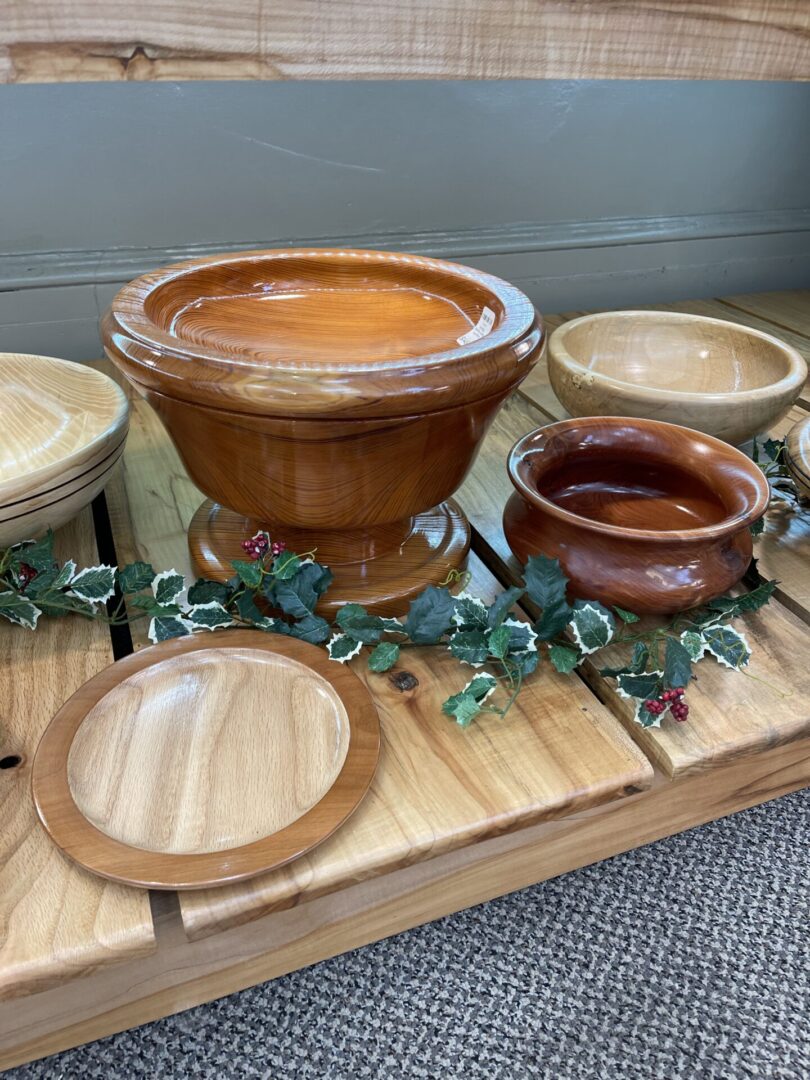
334, 398
64, 428
648, 516
714, 376
797, 457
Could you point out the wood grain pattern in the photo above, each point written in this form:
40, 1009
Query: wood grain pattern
56, 921
63, 429
356, 39
206, 760
648, 516
315, 393
797, 456
182, 973
731, 715
721, 378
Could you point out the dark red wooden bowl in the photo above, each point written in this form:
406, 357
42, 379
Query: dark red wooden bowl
645, 515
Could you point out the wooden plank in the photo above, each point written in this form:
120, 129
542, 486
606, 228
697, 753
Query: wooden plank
437, 787
789, 309
56, 920
730, 714
450, 39
182, 973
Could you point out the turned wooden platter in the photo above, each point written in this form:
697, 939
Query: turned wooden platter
206, 760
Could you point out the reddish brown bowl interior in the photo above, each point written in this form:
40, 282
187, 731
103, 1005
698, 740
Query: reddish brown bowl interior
347, 307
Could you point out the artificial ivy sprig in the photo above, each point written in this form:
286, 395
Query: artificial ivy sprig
278, 591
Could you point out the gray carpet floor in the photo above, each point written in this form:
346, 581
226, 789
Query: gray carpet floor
685, 960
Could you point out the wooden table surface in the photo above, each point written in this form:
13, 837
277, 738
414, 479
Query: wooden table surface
566, 758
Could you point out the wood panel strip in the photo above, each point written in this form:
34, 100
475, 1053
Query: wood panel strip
730, 714
446, 39
182, 973
56, 920
437, 787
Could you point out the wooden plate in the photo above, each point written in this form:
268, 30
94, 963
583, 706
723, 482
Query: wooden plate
206, 760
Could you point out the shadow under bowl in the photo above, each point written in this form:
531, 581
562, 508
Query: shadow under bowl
718, 377
644, 515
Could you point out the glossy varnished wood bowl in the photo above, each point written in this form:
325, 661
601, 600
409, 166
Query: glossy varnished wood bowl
336, 398
797, 456
718, 377
648, 516
63, 430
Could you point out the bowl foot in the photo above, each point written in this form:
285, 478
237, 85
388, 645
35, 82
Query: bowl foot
400, 560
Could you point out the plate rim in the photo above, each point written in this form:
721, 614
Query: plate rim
115, 860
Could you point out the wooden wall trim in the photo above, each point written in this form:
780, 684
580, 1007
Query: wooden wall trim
361, 39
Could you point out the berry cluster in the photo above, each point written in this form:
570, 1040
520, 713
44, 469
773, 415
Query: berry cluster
258, 546
671, 698
25, 574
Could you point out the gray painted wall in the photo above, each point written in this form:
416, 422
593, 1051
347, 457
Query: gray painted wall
583, 193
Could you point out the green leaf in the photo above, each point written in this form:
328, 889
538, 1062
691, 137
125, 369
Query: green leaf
469, 646
502, 605
150, 605
384, 656
728, 646
286, 566
546, 585
470, 612
430, 615
342, 648
163, 627
208, 616
521, 636
774, 448
299, 595
38, 554
312, 628
204, 591
481, 686
44, 582
94, 584
564, 658
694, 644
677, 664
626, 616
592, 626
136, 576
18, 610
355, 621
526, 661
645, 685
636, 665
167, 586
498, 641
248, 611
249, 573
463, 708
65, 575
732, 606
758, 527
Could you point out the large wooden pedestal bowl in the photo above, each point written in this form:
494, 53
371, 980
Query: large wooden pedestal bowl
718, 377
334, 398
648, 516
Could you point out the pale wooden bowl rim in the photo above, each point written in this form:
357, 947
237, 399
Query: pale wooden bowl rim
98, 444
793, 380
728, 527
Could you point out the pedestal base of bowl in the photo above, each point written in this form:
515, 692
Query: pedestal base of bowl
383, 568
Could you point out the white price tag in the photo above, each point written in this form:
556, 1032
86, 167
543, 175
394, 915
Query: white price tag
481, 328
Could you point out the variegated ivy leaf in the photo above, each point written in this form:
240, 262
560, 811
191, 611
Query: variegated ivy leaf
96, 584
163, 627
469, 646
342, 648
136, 576
564, 658
65, 575
470, 611
694, 644
728, 646
592, 626
645, 717
644, 685
384, 656
498, 641
18, 610
167, 586
521, 636
287, 566
209, 616
466, 705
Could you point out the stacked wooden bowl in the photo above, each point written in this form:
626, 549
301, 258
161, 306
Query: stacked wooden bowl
64, 428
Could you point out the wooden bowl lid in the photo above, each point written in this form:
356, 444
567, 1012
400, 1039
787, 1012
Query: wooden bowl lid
311, 331
206, 760
797, 457
59, 420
